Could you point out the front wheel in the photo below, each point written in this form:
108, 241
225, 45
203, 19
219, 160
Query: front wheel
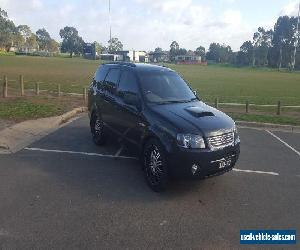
155, 165
97, 129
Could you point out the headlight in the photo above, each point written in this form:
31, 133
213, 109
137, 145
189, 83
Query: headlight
190, 141
236, 135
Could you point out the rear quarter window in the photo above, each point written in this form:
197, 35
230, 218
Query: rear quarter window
112, 79
100, 74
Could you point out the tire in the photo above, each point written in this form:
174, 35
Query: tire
97, 130
155, 165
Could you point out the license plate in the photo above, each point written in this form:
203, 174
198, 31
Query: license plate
225, 163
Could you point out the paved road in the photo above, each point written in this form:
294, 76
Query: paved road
64, 198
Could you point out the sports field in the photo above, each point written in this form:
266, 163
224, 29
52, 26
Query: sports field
229, 84
259, 86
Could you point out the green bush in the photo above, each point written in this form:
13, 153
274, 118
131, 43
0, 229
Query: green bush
5, 53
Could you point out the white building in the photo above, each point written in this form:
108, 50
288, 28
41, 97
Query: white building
127, 56
137, 56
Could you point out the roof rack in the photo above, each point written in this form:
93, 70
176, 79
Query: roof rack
123, 63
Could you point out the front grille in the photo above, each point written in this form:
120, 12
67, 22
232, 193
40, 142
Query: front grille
221, 141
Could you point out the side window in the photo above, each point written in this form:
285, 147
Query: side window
100, 74
128, 83
111, 80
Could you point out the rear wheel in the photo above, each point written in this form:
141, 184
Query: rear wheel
155, 166
97, 129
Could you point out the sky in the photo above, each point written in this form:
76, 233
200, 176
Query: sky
147, 24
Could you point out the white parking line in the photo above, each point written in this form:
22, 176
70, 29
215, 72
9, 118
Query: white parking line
116, 156
282, 141
254, 171
119, 151
79, 153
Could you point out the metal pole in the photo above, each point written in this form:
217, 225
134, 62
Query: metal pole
297, 39
109, 23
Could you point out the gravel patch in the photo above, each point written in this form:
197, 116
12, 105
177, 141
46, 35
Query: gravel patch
6, 123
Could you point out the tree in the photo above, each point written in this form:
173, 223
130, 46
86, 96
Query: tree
272, 48
200, 51
18, 39
31, 42
99, 48
261, 44
174, 49
214, 52
8, 31
158, 50
182, 51
282, 42
43, 39
244, 56
72, 42
53, 46
114, 45
23, 34
25, 31
219, 53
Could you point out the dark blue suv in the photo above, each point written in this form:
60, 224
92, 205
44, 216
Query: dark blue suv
159, 115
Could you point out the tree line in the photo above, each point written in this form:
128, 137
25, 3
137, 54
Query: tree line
273, 48
22, 38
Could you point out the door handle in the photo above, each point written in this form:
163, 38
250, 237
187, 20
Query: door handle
141, 124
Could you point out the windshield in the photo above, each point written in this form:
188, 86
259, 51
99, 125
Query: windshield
165, 87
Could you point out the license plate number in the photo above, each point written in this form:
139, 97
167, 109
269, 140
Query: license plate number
225, 163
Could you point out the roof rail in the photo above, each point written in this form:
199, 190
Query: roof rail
122, 63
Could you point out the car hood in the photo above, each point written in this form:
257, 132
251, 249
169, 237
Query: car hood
195, 116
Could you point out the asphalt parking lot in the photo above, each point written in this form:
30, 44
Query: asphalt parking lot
63, 192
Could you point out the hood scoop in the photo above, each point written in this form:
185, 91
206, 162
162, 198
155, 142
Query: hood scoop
198, 112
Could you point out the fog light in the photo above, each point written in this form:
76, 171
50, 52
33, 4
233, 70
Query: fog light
194, 168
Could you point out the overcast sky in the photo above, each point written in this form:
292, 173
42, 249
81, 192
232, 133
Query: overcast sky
146, 24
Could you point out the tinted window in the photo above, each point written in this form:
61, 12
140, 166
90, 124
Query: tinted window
128, 83
111, 79
100, 74
163, 87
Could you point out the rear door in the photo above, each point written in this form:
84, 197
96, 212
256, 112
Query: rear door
129, 116
109, 110
97, 89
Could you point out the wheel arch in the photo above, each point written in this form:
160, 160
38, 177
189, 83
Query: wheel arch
161, 136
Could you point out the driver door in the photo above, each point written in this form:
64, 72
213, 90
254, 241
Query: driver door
129, 107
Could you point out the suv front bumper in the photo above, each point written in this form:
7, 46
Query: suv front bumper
208, 162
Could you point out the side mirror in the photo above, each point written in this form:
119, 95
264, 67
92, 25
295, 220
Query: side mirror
195, 92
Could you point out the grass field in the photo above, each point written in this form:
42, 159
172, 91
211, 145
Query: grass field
240, 84
72, 74
229, 84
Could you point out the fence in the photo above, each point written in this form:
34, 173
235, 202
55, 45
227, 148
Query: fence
21, 89
37, 91
278, 107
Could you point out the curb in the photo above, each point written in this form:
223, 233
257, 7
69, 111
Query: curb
67, 116
20, 135
269, 126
